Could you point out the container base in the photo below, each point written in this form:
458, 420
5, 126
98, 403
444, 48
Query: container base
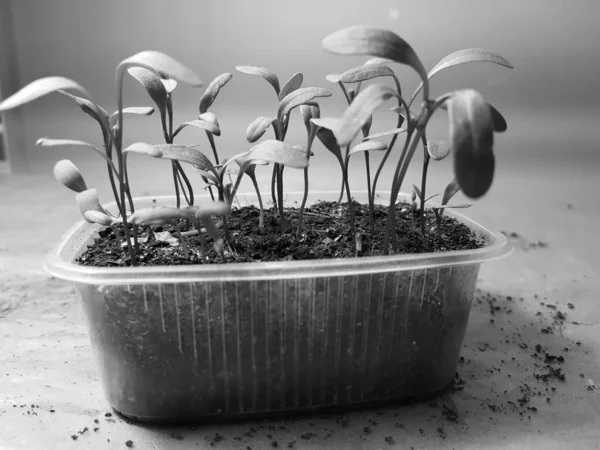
286, 413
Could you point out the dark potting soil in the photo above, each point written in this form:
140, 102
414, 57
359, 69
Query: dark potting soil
325, 234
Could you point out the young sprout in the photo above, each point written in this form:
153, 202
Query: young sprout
88, 201
472, 121
451, 190
68, 175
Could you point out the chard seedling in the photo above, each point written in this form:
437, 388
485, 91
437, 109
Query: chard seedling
67, 174
291, 96
471, 118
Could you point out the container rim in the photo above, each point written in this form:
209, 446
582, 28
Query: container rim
59, 262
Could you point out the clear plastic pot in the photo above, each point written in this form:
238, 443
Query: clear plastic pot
222, 341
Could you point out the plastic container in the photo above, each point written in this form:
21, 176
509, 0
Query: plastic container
248, 340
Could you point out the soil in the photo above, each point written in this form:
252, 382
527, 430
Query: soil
326, 234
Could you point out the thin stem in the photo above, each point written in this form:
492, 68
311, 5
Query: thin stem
311, 137
213, 146
384, 159
180, 182
401, 169
426, 159
174, 170
261, 220
350, 204
273, 181
119, 152
187, 183
280, 198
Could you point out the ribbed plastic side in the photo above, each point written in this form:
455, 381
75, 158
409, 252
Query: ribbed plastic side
193, 350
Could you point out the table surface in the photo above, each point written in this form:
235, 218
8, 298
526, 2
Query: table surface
51, 397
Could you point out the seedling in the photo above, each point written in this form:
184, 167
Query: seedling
472, 124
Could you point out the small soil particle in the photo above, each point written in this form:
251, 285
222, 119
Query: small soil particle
129, 443
308, 435
390, 440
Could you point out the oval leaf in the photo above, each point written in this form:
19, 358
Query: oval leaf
209, 209
95, 111
386, 133
68, 175
367, 146
133, 110
39, 88
472, 137
438, 150
500, 125
378, 61
299, 97
153, 85
210, 118
450, 191
213, 90
186, 154
360, 110
163, 65
467, 55
88, 201
98, 217
364, 73
308, 112
280, 153
202, 124
325, 134
333, 78
292, 84
267, 74
157, 216
362, 40
144, 149
258, 127
48, 142
169, 84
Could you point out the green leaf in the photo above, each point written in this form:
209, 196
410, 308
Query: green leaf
211, 119
467, 55
153, 85
98, 217
88, 201
169, 84
280, 153
292, 84
209, 209
386, 133
500, 124
472, 137
267, 74
360, 110
333, 78
378, 61
95, 111
308, 112
325, 134
187, 154
133, 110
438, 150
157, 215
451, 190
39, 88
498, 120
144, 149
162, 65
299, 97
202, 124
49, 142
213, 90
364, 73
368, 146
362, 40
69, 175
258, 127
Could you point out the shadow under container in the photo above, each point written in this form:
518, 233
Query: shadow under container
203, 342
